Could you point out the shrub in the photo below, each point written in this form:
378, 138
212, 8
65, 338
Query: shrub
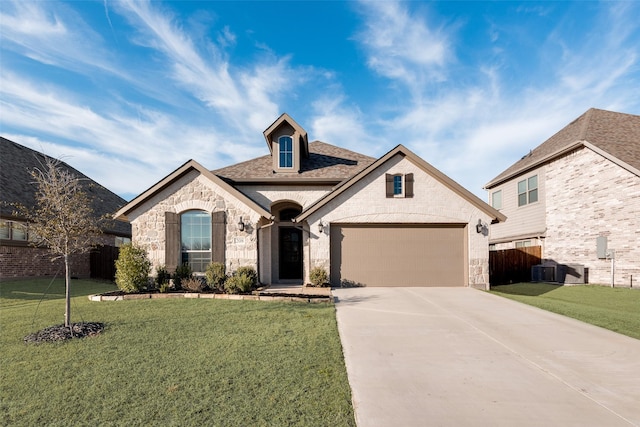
193, 284
182, 272
238, 284
249, 272
162, 276
164, 288
243, 280
318, 277
216, 276
132, 268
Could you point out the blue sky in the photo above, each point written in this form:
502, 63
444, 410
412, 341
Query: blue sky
126, 91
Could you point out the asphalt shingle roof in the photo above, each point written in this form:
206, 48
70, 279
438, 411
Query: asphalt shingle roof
325, 161
618, 134
16, 185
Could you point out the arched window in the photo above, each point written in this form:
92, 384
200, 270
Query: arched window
285, 144
195, 232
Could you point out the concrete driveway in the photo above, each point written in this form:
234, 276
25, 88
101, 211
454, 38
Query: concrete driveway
462, 357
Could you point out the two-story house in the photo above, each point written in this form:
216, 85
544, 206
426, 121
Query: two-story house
577, 195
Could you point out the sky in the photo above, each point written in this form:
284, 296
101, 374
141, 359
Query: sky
127, 91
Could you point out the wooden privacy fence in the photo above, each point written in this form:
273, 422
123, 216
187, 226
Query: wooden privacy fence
102, 260
513, 265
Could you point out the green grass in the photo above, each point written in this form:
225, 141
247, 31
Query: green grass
616, 309
170, 362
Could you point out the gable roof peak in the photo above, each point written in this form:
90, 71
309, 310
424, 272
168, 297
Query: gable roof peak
299, 130
612, 134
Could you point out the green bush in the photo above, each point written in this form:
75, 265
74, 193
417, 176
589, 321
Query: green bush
249, 272
216, 275
182, 272
162, 276
164, 288
132, 268
318, 277
242, 281
193, 284
238, 284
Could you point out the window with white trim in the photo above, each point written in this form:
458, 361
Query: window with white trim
195, 236
399, 185
285, 148
528, 190
13, 230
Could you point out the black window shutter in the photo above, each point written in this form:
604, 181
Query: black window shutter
218, 235
171, 241
389, 186
408, 185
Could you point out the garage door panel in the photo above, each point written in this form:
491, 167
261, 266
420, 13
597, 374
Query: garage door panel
398, 255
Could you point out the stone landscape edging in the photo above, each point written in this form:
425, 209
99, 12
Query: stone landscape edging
195, 295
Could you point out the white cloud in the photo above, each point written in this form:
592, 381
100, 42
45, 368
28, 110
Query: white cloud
401, 45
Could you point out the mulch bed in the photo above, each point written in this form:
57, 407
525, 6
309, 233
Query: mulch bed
62, 333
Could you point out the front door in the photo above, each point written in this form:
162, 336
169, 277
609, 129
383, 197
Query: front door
290, 253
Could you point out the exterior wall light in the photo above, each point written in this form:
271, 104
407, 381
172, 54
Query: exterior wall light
240, 224
321, 227
479, 227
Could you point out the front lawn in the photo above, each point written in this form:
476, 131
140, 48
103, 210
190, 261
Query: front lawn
617, 309
170, 362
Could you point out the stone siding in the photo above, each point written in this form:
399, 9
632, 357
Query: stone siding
590, 196
193, 191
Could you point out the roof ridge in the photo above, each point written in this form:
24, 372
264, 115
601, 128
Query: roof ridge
585, 125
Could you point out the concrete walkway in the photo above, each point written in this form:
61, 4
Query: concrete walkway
462, 357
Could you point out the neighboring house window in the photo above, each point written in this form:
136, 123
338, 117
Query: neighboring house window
195, 232
12, 230
399, 185
523, 244
528, 190
285, 144
496, 199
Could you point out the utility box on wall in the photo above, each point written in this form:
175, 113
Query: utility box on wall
601, 247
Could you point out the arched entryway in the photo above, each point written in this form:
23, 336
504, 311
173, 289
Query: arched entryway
288, 265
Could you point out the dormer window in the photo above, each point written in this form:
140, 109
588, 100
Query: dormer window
285, 144
288, 144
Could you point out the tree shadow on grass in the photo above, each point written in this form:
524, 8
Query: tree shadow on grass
47, 289
532, 289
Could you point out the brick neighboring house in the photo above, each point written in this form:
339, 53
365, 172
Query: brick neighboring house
392, 221
580, 184
18, 258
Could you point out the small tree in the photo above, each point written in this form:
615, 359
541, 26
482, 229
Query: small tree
62, 220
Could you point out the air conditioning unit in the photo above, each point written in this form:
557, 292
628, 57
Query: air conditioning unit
542, 273
571, 274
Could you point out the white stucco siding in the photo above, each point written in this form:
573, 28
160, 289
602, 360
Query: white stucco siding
433, 203
193, 191
589, 196
523, 222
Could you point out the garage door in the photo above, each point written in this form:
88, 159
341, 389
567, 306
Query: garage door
398, 255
